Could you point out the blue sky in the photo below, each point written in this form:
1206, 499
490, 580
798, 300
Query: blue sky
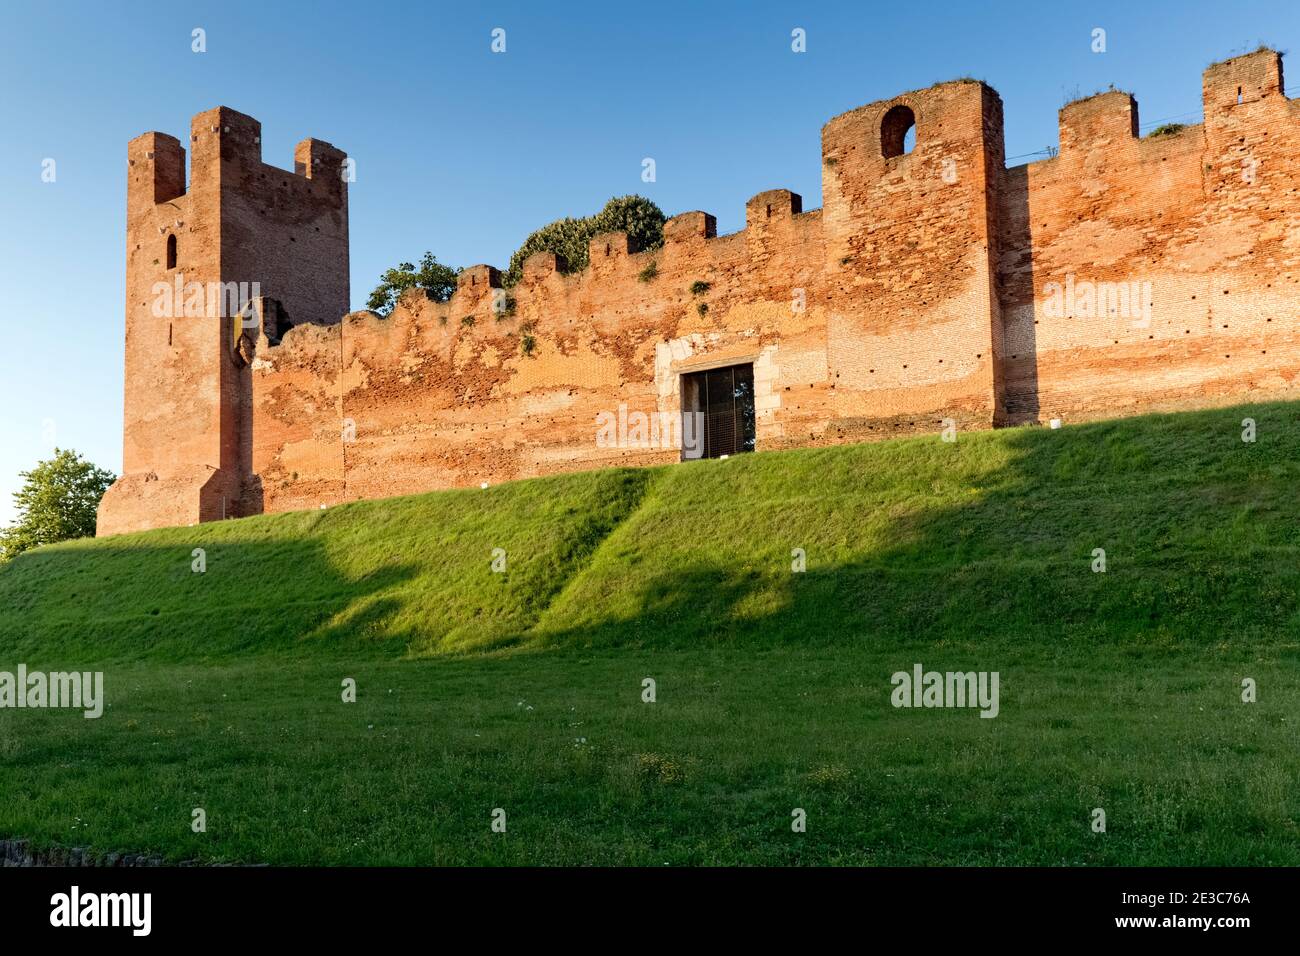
463, 152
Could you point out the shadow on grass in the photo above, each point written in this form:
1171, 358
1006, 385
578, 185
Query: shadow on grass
991, 539
408, 576
1197, 529
132, 600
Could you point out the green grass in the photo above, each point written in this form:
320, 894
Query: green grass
522, 690
405, 576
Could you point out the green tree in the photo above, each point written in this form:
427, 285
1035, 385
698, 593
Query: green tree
640, 218
57, 502
437, 280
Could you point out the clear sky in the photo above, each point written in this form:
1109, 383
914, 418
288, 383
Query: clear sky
463, 152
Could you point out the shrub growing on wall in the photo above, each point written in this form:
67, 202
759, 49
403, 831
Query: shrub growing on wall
437, 280
568, 238
641, 219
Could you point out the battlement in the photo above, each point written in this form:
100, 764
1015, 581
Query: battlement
1242, 80
1232, 91
478, 278
689, 227
1110, 117
933, 285
226, 153
156, 167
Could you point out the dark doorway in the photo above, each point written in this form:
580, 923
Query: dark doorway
724, 401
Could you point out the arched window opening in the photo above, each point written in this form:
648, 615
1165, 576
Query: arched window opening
171, 252
897, 131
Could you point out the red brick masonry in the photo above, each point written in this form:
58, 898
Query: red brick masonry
1124, 274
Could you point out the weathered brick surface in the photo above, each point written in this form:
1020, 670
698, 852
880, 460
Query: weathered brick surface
189, 429
1205, 216
922, 290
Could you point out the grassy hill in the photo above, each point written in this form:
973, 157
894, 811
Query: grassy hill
522, 689
989, 537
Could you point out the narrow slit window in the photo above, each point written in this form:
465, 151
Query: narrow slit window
171, 252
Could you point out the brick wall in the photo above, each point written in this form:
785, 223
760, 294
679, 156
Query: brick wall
241, 224
1196, 220
1123, 274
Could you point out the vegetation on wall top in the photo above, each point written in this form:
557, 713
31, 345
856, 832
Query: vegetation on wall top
1167, 129
568, 238
437, 280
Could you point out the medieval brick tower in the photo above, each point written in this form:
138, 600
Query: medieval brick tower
248, 249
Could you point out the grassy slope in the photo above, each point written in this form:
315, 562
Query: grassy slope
1120, 690
987, 539
402, 576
